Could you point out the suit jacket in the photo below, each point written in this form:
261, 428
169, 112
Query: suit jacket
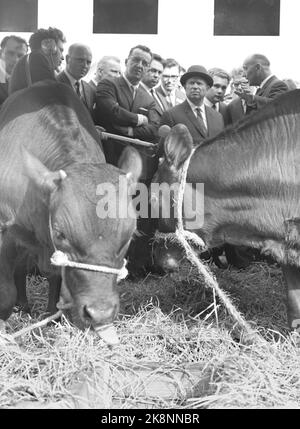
3, 92
235, 110
39, 69
116, 111
223, 109
161, 104
92, 85
272, 88
183, 114
88, 96
179, 97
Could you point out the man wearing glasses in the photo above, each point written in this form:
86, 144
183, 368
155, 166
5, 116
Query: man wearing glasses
125, 108
169, 87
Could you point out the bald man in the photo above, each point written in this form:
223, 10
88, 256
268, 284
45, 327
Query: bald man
257, 71
78, 63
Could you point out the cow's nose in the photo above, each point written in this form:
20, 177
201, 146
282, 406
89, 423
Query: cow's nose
100, 314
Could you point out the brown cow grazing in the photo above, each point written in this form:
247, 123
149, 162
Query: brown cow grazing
51, 167
251, 177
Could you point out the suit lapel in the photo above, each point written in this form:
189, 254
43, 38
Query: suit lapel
193, 119
65, 79
162, 100
162, 97
3, 91
266, 88
126, 91
209, 120
85, 94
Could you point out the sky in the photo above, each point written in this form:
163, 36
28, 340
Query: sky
185, 32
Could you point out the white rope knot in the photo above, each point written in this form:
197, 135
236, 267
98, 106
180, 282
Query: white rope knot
60, 259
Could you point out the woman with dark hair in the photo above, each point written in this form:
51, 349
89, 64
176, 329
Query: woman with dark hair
45, 58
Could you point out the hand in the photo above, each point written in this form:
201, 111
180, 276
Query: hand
244, 92
142, 120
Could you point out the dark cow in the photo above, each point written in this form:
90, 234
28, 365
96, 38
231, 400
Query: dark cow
51, 164
251, 177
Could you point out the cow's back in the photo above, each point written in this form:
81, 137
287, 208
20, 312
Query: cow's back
49, 121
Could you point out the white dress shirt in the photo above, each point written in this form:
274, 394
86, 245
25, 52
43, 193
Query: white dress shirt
202, 110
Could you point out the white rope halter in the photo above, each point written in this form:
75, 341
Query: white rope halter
183, 236
61, 259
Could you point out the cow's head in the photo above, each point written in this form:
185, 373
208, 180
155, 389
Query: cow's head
91, 220
178, 146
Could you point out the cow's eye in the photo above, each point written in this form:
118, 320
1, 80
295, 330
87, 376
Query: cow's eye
60, 235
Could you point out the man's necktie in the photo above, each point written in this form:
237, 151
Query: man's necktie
169, 100
77, 88
133, 90
200, 120
156, 98
214, 107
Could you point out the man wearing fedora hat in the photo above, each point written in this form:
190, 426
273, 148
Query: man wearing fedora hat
202, 121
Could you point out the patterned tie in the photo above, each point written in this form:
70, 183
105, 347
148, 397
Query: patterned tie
200, 120
77, 88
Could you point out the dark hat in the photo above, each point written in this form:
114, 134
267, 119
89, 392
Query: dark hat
199, 71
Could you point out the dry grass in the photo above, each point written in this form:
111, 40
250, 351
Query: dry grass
178, 349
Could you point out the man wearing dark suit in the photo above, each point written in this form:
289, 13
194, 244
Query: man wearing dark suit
257, 70
201, 121
12, 49
215, 95
150, 81
47, 46
124, 108
168, 89
78, 63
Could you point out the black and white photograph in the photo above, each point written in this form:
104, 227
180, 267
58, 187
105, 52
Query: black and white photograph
149, 207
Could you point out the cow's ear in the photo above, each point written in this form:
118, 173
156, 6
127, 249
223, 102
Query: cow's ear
178, 146
131, 163
38, 173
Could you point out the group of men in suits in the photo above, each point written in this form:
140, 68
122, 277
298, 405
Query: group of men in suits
148, 94
151, 92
